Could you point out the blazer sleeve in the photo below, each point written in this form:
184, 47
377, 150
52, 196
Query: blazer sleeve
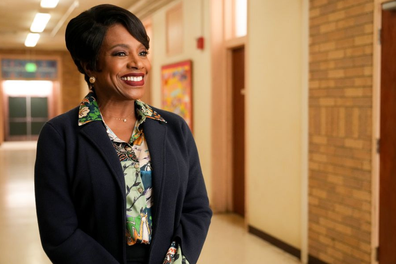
61, 237
196, 213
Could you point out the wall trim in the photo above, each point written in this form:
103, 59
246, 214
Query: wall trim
314, 260
305, 132
276, 242
376, 130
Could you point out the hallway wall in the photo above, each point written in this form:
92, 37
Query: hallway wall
340, 130
274, 118
195, 24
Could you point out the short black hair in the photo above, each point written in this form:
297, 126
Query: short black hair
85, 33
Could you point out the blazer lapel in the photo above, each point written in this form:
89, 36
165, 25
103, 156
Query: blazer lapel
95, 132
155, 134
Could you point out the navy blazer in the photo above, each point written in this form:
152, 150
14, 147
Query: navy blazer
80, 191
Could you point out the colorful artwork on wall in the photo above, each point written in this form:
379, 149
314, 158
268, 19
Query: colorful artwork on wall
177, 89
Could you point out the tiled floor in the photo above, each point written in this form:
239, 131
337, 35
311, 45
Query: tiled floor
227, 241
19, 239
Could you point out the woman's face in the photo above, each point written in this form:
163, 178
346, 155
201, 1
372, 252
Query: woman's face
123, 66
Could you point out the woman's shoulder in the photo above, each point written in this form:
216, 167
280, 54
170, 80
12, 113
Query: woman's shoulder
168, 116
62, 126
66, 119
174, 122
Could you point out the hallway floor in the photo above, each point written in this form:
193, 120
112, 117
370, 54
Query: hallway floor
227, 242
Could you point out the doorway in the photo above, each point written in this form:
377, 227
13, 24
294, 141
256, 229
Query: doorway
238, 129
387, 145
27, 106
26, 116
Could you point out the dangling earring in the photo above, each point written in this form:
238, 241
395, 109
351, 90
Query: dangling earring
92, 80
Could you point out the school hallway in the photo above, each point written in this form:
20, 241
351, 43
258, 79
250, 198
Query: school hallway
227, 241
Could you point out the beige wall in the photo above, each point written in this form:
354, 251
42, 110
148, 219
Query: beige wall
274, 118
195, 24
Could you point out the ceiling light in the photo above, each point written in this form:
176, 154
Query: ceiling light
32, 39
40, 22
49, 3
19, 87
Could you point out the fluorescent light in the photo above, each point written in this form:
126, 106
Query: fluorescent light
49, 3
32, 39
39, 22
32, 88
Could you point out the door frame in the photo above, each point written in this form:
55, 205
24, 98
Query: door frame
230, 46
376, 112
50, 111
231, 112
54, 99
221, 47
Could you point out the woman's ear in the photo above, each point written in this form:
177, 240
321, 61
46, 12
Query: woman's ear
87, 68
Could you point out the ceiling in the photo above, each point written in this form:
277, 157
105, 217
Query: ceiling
16, 17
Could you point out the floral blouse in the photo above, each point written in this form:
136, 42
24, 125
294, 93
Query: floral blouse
134, 157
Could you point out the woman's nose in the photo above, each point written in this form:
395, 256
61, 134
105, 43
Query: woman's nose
135, 63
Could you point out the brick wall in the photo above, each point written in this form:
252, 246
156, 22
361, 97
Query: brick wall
340, 130
71, 83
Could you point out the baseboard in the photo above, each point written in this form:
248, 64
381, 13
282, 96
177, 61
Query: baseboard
314, 260
276, 242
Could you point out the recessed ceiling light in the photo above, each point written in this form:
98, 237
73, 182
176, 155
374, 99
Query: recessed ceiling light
49, 3
40, 22
32, 39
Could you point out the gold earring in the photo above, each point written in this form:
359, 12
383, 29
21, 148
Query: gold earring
92, 80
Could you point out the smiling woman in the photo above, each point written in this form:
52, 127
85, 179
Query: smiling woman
116, 180
123, 67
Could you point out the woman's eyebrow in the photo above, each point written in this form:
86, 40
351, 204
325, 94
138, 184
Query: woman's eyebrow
120, 45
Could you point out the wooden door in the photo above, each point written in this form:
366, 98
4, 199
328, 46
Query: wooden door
387, 210
238, 129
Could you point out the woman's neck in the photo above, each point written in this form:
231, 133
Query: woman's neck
111, 107
119, 115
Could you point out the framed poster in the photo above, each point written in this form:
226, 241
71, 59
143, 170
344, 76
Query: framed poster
176, 82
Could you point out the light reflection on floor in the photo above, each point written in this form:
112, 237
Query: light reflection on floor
19, 238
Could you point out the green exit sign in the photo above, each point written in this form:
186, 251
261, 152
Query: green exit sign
31, 67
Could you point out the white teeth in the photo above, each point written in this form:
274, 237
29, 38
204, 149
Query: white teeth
132, 78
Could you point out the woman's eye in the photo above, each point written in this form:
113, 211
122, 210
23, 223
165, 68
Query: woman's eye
119, 54
143, 53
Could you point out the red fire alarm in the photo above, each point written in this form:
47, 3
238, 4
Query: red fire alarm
200, 43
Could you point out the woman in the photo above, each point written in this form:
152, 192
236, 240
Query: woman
118, 181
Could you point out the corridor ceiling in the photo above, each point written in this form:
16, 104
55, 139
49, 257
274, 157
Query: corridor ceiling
16, 16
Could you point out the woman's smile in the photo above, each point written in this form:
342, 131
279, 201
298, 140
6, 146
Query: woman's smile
133, 79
